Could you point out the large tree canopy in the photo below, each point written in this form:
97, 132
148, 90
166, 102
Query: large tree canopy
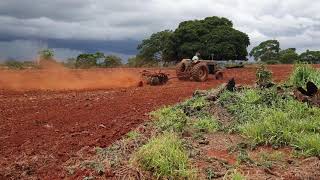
267, 50
288, 56
112, 61
158, 47
88, 60
211, 36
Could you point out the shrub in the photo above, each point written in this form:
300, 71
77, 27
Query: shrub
165, 157
264, 76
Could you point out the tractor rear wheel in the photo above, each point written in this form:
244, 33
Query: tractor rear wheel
181, 71
199, 72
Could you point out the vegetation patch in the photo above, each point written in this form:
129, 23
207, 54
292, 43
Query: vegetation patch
234, 175
303, 73
170, 119
207, 124
165, 157
268, 118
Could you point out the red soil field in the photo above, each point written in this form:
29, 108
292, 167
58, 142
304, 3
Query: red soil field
43, 125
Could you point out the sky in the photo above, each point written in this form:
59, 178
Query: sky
71, 27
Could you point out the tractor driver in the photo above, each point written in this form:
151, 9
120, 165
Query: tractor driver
196, 57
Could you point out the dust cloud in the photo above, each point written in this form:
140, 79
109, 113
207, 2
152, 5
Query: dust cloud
57, 77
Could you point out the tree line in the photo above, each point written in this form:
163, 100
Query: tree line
270, 52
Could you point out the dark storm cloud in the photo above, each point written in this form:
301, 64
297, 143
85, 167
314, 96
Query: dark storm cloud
73, 26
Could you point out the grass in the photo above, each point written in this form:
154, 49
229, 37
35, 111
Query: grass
165, 156
176, 118
97, 166
267, 159
206, 124
132, 135
267, 118
234, 175
170, 119
196, 103
303, 73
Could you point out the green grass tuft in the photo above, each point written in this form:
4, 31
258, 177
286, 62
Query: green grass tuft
196, 103
165, 157
132, 135
170, 119
206, 124
234, 175
303, 73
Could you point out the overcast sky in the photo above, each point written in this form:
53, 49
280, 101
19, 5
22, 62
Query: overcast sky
71, 27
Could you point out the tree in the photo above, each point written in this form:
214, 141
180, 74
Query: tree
138, 61
211, 36
46, 54
71, 63
13, 64
88, 60
158, 47
310, 56
288, 56
267, 50
112, 61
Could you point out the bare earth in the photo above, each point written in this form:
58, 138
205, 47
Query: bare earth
42, 129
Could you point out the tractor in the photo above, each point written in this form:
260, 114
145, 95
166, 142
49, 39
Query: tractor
198, 70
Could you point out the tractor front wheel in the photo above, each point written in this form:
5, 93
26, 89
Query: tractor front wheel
199, 72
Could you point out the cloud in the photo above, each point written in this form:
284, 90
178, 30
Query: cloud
28, 50
296, 23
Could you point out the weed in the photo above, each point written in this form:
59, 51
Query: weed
97, 166
264, 76
268, 118
243, 157
165, 157
195, 103
197, 135
132, 135
207, 124
308, 143
267, 159
303, 73
234, 175
170, 119
210, 174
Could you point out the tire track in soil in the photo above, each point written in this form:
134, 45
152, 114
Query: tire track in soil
42, 129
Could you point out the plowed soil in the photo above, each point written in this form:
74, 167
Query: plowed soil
41, 129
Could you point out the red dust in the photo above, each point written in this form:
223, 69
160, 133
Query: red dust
59, 78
